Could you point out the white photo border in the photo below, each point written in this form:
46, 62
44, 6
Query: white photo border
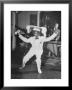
64, 8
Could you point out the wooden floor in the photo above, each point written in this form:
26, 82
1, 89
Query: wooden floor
30, 72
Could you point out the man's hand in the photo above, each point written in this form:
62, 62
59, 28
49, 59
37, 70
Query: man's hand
17, 32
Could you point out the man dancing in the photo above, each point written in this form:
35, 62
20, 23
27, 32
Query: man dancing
37, 45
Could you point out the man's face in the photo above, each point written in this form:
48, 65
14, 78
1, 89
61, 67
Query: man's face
36, 33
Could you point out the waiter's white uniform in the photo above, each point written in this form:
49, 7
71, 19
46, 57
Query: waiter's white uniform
36, 49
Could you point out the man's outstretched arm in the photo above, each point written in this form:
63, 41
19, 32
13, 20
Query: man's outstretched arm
52, 36
22, 37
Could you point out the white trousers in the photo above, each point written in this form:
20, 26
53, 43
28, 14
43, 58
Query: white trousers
31, 53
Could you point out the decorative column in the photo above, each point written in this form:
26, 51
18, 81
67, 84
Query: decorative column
38, 18
13, 30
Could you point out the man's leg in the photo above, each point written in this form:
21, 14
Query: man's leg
27, 58
38, 61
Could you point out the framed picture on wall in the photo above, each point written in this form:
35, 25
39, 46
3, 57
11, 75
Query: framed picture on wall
35, 37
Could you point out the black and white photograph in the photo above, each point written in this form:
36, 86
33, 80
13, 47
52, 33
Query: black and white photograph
36, 49
36, 44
